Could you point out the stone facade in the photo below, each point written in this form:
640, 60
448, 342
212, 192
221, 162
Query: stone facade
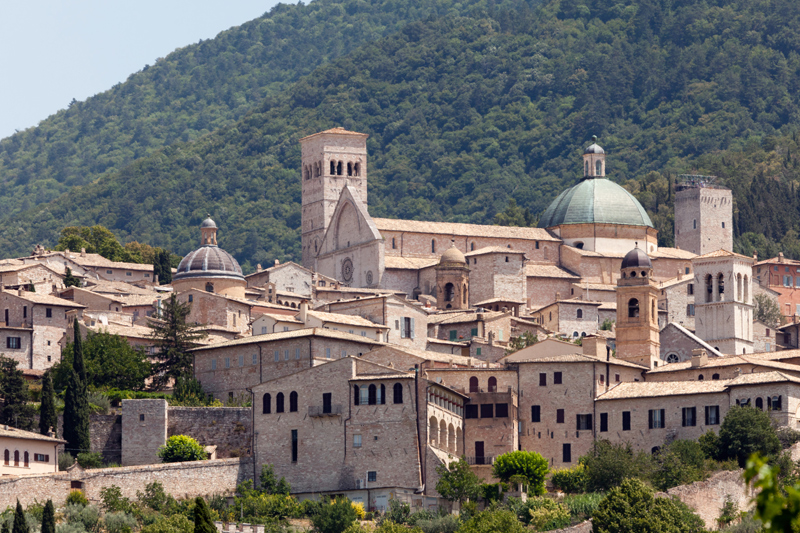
144, 431
764, 338
501, 274
289, 277
217, 310
573, 318
677, 299
703, 218
678, 343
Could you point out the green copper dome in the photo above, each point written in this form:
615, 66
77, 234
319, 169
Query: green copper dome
595, 201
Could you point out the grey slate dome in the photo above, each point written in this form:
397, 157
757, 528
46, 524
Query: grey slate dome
595, 201
208, 223
594, 148
636, 258
209, 262
453, 256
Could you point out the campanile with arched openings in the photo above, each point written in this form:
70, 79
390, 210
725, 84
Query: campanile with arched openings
638, 339
331, 160
724, 301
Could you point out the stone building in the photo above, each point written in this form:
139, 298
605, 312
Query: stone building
637, 319
703, 216
26, 452
678, 344
781, 275
677, 299
570, 318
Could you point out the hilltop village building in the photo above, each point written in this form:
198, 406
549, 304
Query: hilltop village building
391, 349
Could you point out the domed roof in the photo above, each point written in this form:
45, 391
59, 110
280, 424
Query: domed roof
453, 255
636, 258
208, 223
209, 262
594, 148
595, 201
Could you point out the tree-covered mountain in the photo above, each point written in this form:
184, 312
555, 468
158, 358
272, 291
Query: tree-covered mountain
467, 112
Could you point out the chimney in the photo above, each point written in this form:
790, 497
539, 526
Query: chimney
755, 256
780, 257
679, 274
699, 357
51, 433
303, 311
558, 296
594, 346
83, 252
277, 262
155, 279
258, 267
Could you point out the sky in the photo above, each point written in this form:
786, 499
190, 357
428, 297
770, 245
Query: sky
52, 51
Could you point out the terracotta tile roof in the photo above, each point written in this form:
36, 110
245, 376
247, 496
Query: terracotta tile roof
461, 317
654, 389
762, 377
337, 130
467, 230
428, 356
493, 250
114, 287
372, 377
497, 301
45, 299
595, 286
409, 263
723, 253
431, 340
97, 260
579, 358
139, 299
666, 284
351, 320
676, 253
783, 261
15, 433
297, 334
279, 318
533, 270
139, 332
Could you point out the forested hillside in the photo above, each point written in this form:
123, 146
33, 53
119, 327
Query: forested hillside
465, 113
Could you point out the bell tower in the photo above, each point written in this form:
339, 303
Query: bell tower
331, 160
594, 160
452, 280
638, 339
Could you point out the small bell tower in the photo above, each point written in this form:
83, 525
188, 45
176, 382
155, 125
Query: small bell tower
638, 338
594, 160
208, 232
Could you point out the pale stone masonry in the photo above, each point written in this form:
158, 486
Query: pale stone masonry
144, 431
703, 217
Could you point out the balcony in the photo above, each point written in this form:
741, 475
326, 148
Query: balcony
325, 410
480, 460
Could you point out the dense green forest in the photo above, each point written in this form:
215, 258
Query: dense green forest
465, 113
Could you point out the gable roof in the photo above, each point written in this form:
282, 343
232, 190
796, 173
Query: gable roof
45, 299
467, 230
409, 263
709, 349
296, 334
351, 320
534, 270
349, 196
655, 389
14, 433
424, 355
493, 250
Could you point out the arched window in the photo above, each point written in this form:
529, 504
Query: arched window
746, 291
433, 246
398, 393
26, 459
464, 294
673, 358
6, 457
293, 402
694, 224
715, 377
349, 169
759, 404
653, 311
356, 394
473, 384
373, 395
333, 168
279, 403
382, 395
633, 308
209, 287
709, 288
492, 384
585, 168
580, 313
339, 168
738, 294
267, 409
357, 169
721, 288
16, 457
506, 259
598, 168
472, 247
700, 377
449, 292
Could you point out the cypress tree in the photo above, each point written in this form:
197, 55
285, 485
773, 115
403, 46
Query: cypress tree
77, 352
202, 517
49, 518
14, 408
47, 413
76, 416
20, 525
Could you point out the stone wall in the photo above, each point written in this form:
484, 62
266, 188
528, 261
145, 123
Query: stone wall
230, 429
707, 497
144, 424
106, 435
182, 480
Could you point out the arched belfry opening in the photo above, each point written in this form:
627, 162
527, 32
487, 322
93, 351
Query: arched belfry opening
452, 280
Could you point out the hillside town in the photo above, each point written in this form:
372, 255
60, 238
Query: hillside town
398, 346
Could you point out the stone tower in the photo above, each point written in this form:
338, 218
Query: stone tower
703, 216
331, 160
637, 311
594, 160
452, 280
724, 301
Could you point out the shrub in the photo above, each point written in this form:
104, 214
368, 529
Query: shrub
88, 516
359, 509
66, 527
65, 460
747, 430
747, 524
787, 436
176, 523
570, 480
334, 516
398, 512
546, 514
260, 508
90, 460
387, 526
181, 448
113, 500
679, 463
77, 497
119, 522
709, 442
530, 465
440, 524
98, 403
491, 492
492, 522
607, 465
728, 513
457, 482
155, 497
583, 506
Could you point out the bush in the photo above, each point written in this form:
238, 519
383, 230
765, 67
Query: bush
679, 463
119, 522
114, 501
98, 403
90, 460
530, 465
440, 524
546, 514
261, 508
787, 436
493, 522
747, 524
607, 465
155, 497
582, 506
570, 480
387, 526
491, 492
66, 527
181, 448
745, 431
77, 497
709, 442
632, 508
65, 460
334, 516
359, 509
88, 516
398, 512
176, 523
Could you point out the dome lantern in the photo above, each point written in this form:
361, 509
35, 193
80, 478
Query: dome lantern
594, 160
208, 232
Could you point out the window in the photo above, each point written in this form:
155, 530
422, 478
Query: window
712, 415
492, 384
128, 274
775, 403
267, 404
191, 299
580, 313
470, 411
474, 332
633, 308
241, 360
723, 225
294, 445
566, 453
473, 384
293, 402
715, 376
690, 288
616, 378
372, 476
227, 362
453, 335
542, 379
603, 422
689, 416
141, 417
407, 329
394, 244
255, 358
108, 271
501, 410
25, 312
279, 403
556, 378
433, 246
263, 330
536, 413
626, 420
583, 422
41, 458
787, 281
356, 441
6, 457
690, 310
768, 347
656, 418
382, 394
327, 407
213, 364
372, 398
286, 355
344, 354
487, 410
398, 393
277, 355
327, 353
694, 224
364, 396
13, 343
559, 416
